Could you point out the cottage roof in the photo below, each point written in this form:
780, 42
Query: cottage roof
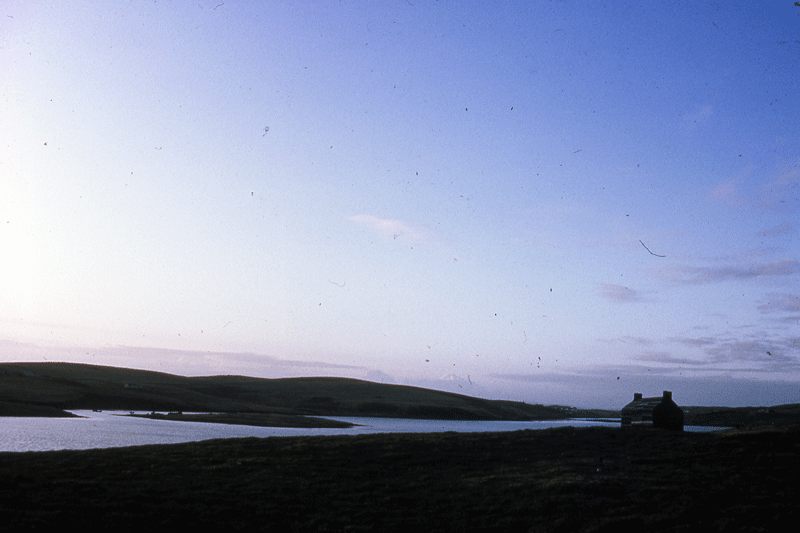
644, 403
659, 411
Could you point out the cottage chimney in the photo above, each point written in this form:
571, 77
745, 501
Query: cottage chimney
667, 414
637, 396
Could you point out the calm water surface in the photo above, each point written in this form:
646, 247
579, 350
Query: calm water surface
108, 430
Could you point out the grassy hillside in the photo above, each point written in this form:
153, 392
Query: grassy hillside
77, 386
554, 480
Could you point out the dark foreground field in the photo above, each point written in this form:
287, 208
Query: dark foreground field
566, 479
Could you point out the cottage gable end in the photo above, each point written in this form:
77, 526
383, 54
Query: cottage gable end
659, 412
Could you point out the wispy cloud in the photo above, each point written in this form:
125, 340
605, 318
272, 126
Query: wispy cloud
778, 231
180, 362
619, 293
641, 341
762, 189
392, 229
782, 303
759, 353
669, 359
765, 354
783, 190
700, 275
694, 342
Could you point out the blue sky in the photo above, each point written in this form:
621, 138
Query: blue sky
552, 202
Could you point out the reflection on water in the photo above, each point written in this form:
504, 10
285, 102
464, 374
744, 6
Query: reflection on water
108, 429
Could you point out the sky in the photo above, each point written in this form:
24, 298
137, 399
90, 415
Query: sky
552, 201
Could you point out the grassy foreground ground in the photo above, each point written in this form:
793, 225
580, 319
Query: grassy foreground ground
565, 479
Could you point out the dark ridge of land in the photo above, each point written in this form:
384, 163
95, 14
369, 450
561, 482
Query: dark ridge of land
67, 386
22, 409
556, 480
249, 419
742, 416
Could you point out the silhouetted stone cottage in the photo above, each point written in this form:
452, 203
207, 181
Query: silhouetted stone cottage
659, 412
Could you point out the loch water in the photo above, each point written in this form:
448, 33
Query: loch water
110, 429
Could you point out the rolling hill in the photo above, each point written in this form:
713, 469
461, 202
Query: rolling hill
26, 388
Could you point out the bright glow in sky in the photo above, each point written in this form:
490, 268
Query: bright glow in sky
541, 201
